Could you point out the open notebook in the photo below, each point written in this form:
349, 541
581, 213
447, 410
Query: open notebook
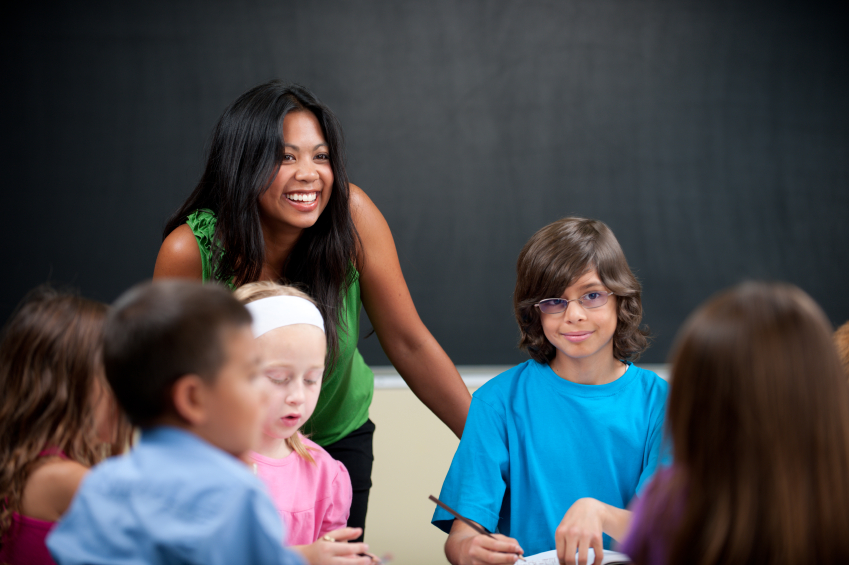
550, 558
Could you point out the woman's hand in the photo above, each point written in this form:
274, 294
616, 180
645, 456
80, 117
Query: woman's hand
337, 552
409, 345
467, 547
582, 528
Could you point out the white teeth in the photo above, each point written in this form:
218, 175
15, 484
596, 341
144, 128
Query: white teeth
297, 197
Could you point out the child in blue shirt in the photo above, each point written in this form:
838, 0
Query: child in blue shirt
183, 364
578, 428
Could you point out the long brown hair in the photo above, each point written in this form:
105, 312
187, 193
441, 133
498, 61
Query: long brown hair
50, 366
758, 414
554, 258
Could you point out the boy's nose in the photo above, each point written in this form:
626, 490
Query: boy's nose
574, 312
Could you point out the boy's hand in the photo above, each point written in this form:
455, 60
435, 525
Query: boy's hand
336, 552
483, 549
467, 547
582, 528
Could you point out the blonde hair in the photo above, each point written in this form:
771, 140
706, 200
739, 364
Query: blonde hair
254, 291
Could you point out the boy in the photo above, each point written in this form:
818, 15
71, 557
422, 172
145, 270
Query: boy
577, 427
182, 362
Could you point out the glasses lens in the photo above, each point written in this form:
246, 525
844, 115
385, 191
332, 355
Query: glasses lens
552, 305
594, 299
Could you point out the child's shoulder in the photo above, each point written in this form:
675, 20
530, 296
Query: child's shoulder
51, 487
321, 456
175, 461
503, 386
325, 464
650, 381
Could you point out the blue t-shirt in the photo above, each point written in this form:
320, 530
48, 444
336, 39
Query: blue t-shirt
534, 443
173, 499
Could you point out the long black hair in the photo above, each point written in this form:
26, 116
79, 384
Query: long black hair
245, 153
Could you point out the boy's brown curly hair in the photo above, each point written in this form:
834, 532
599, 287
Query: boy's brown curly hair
555, 257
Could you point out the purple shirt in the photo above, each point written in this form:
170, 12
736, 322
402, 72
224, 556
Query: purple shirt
644, 534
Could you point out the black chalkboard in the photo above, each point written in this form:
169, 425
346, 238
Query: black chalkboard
713, 137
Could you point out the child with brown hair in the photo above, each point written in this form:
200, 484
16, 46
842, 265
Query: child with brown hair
577, 429
56, 415
759, 422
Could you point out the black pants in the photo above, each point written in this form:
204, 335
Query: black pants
356, 452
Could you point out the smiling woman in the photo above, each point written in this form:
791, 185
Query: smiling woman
274, 203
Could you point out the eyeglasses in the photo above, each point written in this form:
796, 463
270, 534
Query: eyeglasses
590, 300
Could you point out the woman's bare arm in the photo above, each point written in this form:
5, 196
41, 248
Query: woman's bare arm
179, 256
407, 342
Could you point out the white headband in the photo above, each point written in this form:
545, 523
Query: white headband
278, 311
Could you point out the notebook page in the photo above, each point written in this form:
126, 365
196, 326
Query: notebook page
550, 558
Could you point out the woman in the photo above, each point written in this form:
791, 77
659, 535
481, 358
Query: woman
274, 203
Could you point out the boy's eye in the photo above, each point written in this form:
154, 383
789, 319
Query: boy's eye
592, 296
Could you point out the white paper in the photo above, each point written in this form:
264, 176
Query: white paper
550, 558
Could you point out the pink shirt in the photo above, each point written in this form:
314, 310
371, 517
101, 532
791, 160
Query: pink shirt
25, 542
312, 499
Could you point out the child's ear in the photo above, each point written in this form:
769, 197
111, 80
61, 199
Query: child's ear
188, 395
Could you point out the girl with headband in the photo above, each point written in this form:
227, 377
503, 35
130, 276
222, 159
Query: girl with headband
310, 489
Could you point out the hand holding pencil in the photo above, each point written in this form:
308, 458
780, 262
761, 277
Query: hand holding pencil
470, 544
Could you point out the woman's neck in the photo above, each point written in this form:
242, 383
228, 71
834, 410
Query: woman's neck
273, 447
588, 371
279, 242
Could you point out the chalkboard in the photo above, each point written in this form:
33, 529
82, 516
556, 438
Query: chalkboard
713, 138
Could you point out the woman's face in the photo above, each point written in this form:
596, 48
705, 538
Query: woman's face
302, 187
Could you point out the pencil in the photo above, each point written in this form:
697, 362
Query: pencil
476, 527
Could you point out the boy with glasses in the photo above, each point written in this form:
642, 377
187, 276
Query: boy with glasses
576, 429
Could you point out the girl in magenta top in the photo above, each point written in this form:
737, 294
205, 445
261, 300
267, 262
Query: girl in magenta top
311, 490
56, 413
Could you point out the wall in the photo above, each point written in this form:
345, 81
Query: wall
713, 137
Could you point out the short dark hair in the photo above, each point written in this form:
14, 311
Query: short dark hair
554, 258
159, 331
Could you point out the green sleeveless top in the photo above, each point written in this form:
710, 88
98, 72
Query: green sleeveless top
346, 393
